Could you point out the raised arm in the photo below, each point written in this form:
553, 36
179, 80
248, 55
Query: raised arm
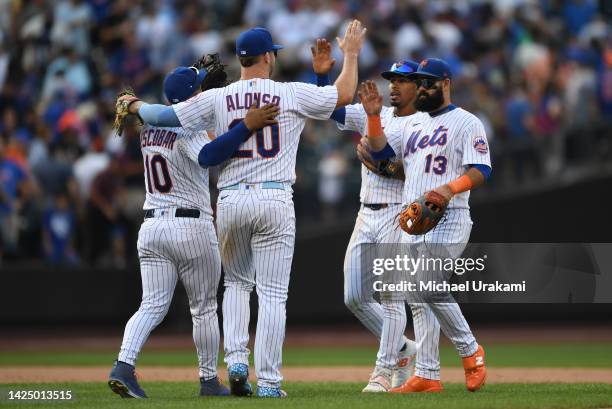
350, 44
322, 64
372, 104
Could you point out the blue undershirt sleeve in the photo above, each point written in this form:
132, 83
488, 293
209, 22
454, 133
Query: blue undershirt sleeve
484, 169
159, 115
223, 146
386, 153
339, 114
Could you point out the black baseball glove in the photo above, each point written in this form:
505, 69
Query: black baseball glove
385, 168
216, 77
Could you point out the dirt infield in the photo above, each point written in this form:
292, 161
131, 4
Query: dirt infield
302, 374
83, 339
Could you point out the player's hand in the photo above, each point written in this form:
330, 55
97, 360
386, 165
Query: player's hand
257, 118
445, 191
322, 61
132, 101
370, 97
365, 156
353, 38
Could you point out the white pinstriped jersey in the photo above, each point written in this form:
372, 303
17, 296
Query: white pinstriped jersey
438, 149
173, 176
374, 188
268, 155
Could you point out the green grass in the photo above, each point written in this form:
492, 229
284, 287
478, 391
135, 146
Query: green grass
593, 355
327, 396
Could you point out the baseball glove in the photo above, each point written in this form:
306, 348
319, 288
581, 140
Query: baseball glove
216, 77
123, 117
423, 214
385, 168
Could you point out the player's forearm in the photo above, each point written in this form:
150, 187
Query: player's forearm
473, 178
223, 147
346, 83
156, 114
477, 177
376, 135
339, 115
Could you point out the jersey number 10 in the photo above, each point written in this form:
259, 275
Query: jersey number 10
262, 150
153, 168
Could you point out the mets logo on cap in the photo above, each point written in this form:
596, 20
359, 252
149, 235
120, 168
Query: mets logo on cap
480, 145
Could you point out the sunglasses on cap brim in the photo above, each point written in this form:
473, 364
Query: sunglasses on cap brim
401, 68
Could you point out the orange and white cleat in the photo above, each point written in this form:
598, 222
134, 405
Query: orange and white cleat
475, 371
418, 384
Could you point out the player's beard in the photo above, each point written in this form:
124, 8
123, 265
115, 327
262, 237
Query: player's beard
429, 103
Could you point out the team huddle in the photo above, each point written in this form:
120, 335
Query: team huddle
421, 157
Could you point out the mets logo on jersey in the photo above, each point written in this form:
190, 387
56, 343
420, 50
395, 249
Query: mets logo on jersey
480, 145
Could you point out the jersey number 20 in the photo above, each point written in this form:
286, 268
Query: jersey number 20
260, 135
153, 168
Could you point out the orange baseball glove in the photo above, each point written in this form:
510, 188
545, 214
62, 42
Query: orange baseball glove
423, 214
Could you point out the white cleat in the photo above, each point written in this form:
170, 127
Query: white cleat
380, 381
405, 367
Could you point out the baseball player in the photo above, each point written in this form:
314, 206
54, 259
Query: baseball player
255, 215
177, 239
445, 151
381, 199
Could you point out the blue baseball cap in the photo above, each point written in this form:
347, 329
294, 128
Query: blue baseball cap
181, 83
401, 68
255, 41
433, 68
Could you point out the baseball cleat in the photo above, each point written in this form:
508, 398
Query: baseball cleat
269, 392
418, 384
404, 368
239, 380
380, 381
475, 371
122, 380
212, 387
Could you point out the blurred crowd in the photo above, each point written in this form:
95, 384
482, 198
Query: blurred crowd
537, 72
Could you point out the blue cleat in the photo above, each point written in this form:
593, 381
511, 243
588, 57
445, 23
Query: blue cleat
122, 381
269, 392
213, 387
239, 380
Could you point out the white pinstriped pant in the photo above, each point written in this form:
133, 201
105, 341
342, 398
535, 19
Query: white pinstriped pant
387, 321
448, 239
257, 235
170, 249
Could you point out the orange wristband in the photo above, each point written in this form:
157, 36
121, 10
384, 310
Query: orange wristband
374, 126
461, 184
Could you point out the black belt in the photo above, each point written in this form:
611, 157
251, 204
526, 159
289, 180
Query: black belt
376, 206
195, 213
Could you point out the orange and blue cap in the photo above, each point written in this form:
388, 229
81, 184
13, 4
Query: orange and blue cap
433, 68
